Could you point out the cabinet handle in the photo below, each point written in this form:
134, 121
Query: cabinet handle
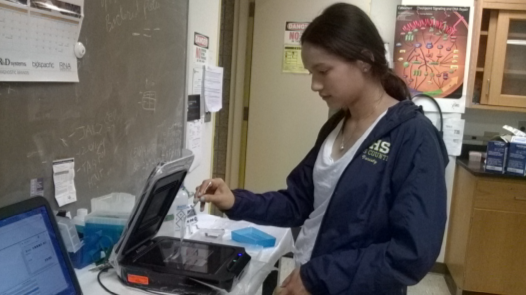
520, 198
487, 88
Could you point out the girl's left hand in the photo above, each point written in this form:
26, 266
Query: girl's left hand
293, 285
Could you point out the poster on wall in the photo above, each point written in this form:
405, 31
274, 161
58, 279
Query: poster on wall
431, 52
201, 48
37, 39
292, 62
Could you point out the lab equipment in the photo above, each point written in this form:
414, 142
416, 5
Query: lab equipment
166, 263
253, 236
103, 230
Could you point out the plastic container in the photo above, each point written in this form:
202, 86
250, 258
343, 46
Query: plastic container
90, 252
69, 234
114, 202
475, 156
103, 230
80, 220
253, 236
75, 247
81, 259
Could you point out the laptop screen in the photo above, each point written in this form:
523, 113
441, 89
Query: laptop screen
31, 261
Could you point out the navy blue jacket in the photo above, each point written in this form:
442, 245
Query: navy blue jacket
384, 225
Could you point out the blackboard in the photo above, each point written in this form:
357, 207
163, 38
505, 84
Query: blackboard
126, 114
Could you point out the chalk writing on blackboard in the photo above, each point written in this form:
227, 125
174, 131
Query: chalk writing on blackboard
117, 15
149, 101
120, 126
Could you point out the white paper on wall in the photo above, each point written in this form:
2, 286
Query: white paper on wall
213, 88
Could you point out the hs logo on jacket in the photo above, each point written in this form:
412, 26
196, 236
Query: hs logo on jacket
377, 151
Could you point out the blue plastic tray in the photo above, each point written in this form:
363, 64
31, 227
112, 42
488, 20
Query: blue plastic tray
253, 236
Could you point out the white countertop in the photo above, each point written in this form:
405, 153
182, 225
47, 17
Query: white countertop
261, 264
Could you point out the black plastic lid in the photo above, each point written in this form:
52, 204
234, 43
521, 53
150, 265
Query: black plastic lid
155, 202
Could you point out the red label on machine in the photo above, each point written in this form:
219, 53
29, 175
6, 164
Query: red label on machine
141, 280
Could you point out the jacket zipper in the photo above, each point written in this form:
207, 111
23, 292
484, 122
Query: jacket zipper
331, 201
365, 146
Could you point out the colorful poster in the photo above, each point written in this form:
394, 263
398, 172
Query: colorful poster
292, 62
37, 40
431, 50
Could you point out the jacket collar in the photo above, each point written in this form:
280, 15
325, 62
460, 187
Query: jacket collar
396, 115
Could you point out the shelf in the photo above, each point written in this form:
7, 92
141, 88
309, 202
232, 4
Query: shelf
516, 42
517, 35
496, 108
483, 33
480, 69
514, 72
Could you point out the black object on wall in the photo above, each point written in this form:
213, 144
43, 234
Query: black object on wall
126, 114
434, 101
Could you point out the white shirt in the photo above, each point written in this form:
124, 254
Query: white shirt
326, 174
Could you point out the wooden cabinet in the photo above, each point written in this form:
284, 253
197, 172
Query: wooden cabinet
503, 4
498, 56
486, 245
507, 86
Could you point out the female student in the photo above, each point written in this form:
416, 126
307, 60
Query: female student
371, 194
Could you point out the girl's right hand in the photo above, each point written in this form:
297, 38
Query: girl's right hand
216, 191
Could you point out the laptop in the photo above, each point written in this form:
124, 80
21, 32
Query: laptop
33, 259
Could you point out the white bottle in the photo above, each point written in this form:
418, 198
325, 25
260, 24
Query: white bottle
178, 209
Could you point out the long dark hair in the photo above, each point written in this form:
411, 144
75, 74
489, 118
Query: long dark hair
346, 31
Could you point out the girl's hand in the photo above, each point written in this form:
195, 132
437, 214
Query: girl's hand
215, 191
